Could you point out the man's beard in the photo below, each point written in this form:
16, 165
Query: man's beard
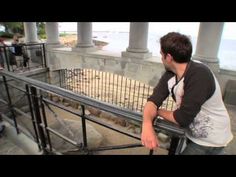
167, 68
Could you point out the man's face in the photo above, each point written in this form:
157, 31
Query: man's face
164, 61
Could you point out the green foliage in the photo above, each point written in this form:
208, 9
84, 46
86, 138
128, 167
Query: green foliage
41, 30
6, 35
13, 27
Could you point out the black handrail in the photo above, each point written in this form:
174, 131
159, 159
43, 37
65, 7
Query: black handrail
159, 124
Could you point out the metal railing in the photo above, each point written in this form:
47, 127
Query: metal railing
33, 56
110, 88
37, 95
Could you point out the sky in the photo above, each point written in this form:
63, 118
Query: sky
188, 28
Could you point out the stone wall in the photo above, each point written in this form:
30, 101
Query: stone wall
147, 71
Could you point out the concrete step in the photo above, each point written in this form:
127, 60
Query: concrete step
12, 143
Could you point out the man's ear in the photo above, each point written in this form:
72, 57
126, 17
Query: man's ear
169, 58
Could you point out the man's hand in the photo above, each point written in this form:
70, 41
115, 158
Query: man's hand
148, 136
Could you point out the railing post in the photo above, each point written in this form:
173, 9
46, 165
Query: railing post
173, 145
44, 56
10, 104
84, 126
45, 122
32, 115
6, 57
38, 119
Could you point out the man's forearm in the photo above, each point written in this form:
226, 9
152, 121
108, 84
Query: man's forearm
149, 113
168, 115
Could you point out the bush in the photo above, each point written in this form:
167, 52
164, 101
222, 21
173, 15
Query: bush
42, 36
6, 35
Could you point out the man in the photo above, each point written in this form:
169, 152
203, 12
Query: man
198, 100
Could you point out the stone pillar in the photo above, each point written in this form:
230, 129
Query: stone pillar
30, 30
138, 38
208, 42
84, 37
52, 34
31, 37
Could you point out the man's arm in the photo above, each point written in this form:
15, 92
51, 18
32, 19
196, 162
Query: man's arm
168, 115
148, 136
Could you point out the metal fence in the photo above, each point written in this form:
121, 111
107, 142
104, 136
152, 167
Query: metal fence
33, 56
110, 88
37, 94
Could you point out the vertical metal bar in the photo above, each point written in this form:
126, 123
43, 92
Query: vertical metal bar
10, 104
125, 91
142, 98
32, 116
95, 84
117, 80
134, 95
44, 55
84, 126
79, 81
60, 78
105, 85
98, 84
102, 88
173, 145
45, 122
6, 57
92, 83
151, 152
87, 83
138, 96
113, 75
109, 77
41, 49
129, 92
179, 146
101, 85
121, 82
148, 91
38, 118
84, 81
66, 79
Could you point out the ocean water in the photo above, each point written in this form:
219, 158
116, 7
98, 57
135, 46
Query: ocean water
119, 41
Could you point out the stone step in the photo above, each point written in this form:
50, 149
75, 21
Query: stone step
12, 143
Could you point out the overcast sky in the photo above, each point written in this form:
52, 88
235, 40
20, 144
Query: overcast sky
188, 28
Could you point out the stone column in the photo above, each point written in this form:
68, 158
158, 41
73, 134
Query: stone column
52, 34
208, 42
31, 37
138, 39
30, 30
84, 37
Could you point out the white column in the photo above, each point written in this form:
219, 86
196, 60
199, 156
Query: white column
208, 42
84, 37
30, 30
138, 38
52, 33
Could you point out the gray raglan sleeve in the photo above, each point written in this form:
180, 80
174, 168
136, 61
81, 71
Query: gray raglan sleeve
198, 88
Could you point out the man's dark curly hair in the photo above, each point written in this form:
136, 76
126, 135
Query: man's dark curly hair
178, 46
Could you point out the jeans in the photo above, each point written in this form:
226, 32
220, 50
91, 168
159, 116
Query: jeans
195, 149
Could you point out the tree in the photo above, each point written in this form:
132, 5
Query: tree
41, 29
13, 27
